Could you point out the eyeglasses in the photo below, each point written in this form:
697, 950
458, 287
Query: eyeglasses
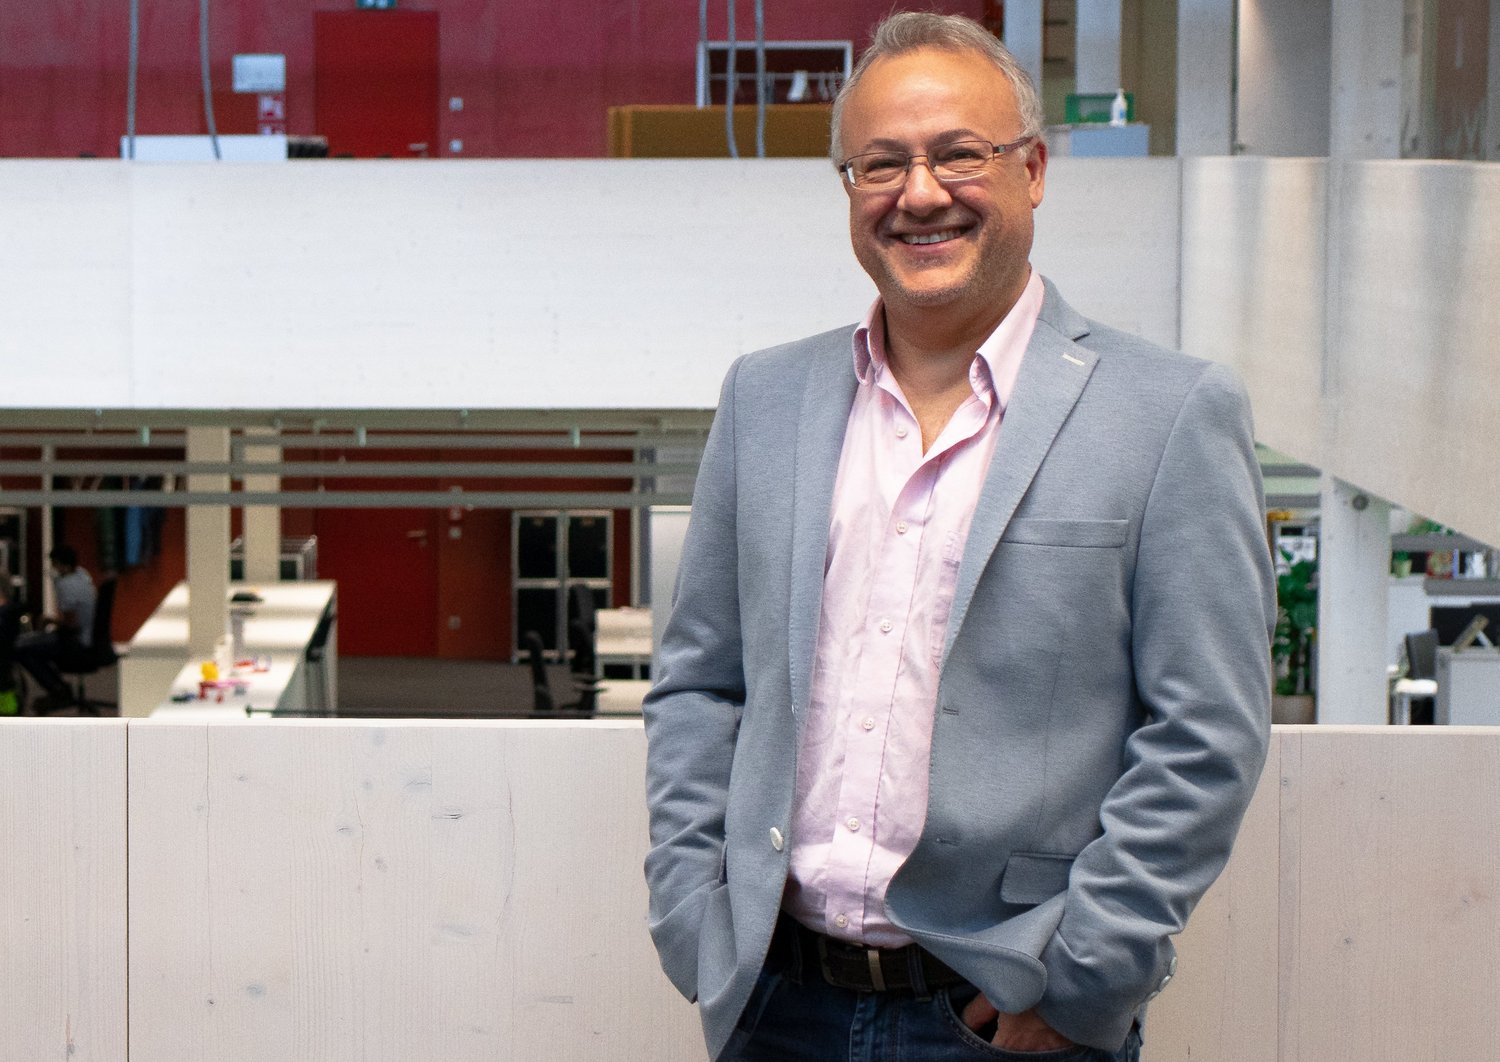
963, 160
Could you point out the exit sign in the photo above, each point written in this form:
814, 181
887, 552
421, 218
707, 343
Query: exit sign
382, 5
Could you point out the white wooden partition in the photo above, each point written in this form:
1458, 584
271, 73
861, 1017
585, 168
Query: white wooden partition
335, 891
347, 892
62, 890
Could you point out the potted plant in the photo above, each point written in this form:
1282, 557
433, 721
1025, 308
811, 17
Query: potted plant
1291, 649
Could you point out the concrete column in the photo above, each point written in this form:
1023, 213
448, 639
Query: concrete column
1023, 36
1098, 57
1284, 77
1205, 76
207, 546
262, 523
668, 532
49, 595
1365, 101
1354, 557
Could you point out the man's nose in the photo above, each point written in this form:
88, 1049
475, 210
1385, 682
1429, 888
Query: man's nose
923, 192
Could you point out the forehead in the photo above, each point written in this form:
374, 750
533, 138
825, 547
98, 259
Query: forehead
927, 92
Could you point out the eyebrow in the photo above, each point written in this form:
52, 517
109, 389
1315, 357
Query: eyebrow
948, 136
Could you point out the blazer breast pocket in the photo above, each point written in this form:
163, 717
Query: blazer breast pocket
1081, 534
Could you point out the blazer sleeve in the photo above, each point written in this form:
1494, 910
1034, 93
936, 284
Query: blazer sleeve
693, 711
1203, 607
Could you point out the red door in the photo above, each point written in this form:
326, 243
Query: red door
385, 561
376, 81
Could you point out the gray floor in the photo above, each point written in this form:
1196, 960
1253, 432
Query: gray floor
402, 686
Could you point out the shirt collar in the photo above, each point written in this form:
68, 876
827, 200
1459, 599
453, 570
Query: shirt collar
1001, 352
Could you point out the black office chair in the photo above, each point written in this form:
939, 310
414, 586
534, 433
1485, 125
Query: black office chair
82, 661
542, 701
583, 630
1412, 698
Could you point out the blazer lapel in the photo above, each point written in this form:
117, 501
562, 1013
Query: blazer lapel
1053, 374
828, 394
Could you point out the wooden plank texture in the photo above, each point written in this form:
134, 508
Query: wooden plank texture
1222, 1001
327, 891
1397, 946
62, 890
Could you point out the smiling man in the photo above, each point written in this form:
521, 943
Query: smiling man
966, 684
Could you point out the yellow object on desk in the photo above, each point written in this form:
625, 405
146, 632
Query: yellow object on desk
210, 671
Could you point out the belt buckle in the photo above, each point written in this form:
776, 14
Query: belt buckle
872, 963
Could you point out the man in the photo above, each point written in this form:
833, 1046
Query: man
65, 636
966, 683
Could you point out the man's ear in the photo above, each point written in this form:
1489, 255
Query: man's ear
1036, 170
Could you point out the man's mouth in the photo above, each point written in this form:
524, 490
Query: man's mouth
918, 239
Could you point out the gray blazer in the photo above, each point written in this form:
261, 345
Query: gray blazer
1103, 705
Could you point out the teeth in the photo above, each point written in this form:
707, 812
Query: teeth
932, 237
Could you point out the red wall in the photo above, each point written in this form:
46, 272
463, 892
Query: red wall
536, 78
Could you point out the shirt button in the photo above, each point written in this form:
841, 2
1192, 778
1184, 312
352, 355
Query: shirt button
841, 921
885, 626
777, 841
852, 823
901, 526
901, 432
868, 723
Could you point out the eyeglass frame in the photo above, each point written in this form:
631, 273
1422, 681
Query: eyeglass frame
846, 168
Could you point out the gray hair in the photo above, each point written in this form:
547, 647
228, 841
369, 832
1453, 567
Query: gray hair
909, 31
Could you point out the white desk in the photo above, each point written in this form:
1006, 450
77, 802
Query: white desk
623, 636
279, 627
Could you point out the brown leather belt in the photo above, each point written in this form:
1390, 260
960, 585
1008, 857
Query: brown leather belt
856, 967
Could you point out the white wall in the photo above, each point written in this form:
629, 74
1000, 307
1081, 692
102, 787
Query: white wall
487, 284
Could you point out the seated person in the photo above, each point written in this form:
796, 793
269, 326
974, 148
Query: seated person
64, 638
10, 630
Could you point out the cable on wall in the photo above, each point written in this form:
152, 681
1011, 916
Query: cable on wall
760, 79
729, 89
208, 91
132, 67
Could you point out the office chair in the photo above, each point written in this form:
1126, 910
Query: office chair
541, 691
1420, 682
87, 660
542, 701
583, 630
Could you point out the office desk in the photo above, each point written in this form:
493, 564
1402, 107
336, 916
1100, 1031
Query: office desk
1468, 692
279, 627
623, 636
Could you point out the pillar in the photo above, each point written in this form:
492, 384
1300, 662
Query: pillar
1205, 76
1023, 36
262, 523
1098, 55
1365, 101
1354, 558
207, 545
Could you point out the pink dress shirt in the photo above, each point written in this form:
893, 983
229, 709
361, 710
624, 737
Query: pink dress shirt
900, 520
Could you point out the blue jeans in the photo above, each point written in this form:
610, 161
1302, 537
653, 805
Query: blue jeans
816, 1022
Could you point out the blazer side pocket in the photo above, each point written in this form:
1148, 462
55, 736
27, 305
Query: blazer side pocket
1034, 877
1088, 534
